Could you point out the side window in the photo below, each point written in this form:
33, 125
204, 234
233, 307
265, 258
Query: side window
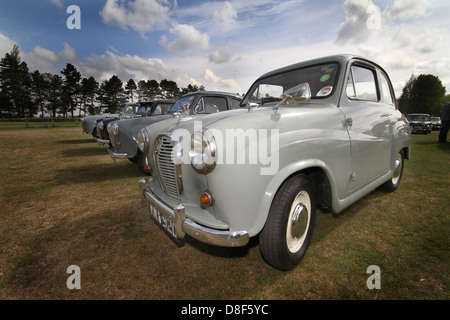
386, 96
235, 103
211, 105
361, 84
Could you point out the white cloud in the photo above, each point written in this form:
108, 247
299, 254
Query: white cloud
406, 9
225, 17
68, 54
140, 15
57, 3
41, 59
216, 82
355, 28
222, 55
188, 38
430, 40
127, 66
6, 45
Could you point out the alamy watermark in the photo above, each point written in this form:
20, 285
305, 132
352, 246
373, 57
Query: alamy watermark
236, 146
74, 280
374, 281
374, 20
74, 20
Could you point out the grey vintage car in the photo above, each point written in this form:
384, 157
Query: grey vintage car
89, 123
124, 133
145, 109
322, 133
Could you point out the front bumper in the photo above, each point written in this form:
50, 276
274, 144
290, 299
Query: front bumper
180, 225
117, 155
102, 141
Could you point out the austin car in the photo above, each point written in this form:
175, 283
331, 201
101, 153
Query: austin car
89, 123
124, 133
319, 134
145, 109
420, 122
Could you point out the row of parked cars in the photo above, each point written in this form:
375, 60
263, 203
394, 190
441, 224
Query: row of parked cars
223, 169
422, 122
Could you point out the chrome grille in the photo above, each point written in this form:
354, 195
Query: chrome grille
169, 174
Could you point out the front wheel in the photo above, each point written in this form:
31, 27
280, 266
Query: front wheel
289, 227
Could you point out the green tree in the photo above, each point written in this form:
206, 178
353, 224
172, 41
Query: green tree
130, 89
192, 88
88, 89
114, 94
54, 94
422, 95
169, 89
15, 83
39, 88
71, 87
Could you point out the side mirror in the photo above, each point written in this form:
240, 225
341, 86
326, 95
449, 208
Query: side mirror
296, 94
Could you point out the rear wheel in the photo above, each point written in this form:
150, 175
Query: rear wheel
393, 184
289, 227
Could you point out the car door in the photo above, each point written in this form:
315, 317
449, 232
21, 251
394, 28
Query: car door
368, 120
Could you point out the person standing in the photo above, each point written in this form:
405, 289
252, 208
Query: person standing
445, 123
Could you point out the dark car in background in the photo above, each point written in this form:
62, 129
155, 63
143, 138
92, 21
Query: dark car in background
419, 122
124, 133
145, 109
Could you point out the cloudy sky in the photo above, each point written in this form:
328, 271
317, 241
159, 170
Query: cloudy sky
225, 45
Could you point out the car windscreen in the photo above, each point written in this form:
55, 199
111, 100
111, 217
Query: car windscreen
321, 79
177, 106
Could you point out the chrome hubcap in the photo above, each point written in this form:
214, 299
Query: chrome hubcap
397, 169
298, 222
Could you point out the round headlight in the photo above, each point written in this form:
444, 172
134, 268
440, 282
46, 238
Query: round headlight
203, 152
115, 129
142, 140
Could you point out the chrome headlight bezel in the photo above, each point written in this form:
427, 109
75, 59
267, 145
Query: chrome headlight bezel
143, 140
203, 153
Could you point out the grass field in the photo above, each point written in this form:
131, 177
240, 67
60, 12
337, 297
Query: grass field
65, 202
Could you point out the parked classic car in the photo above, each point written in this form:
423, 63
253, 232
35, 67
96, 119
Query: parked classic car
145, 109
436, 123
419, 122
124, 133
89, 125
322, 133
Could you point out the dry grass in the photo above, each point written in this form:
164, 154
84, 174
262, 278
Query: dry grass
65, 202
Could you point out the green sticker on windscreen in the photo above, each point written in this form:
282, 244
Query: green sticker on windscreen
325, 77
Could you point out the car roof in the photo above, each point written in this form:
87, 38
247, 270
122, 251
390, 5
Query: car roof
341, 58
221, 93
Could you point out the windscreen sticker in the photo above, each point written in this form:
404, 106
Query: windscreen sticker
325, 91
325, 77
327, 69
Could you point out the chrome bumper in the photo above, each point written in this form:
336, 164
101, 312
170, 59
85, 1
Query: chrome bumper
117, 155
102, 141
186, 226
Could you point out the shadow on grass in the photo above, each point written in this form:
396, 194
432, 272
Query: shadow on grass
76, 141
86, 152
98, 173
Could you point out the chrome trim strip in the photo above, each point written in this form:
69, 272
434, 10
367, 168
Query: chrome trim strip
187, 226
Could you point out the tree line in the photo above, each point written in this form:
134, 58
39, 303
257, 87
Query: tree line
25, 94
423, 94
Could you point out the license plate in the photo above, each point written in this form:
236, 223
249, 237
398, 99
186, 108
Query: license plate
163, 221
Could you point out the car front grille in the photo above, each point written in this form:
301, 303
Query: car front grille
169, 174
